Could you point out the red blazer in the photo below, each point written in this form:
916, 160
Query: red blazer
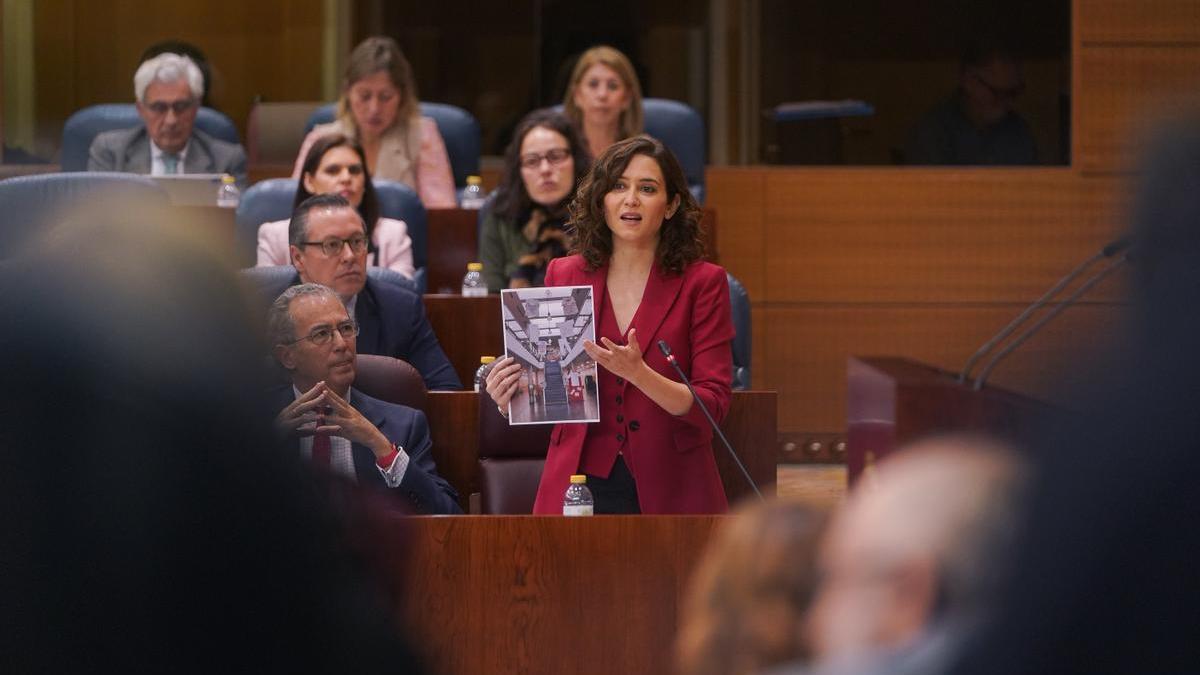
670, 457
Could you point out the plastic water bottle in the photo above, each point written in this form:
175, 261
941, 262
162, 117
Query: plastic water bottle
481, 373
578, 500
473, 284
473, 196
228, 195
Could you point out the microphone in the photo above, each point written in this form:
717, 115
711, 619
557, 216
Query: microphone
1109, 250
1037, 326
666, 351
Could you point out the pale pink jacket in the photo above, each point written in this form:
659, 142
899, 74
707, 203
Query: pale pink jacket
393, 247
429, 174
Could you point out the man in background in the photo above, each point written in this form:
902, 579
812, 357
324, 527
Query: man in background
169, 88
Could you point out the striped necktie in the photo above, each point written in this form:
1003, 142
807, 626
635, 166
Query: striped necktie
170, 163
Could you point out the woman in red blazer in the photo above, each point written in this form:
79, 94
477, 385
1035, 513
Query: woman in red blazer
637, 243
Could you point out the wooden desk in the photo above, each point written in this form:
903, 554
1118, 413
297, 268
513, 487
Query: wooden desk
526, 594
750, 426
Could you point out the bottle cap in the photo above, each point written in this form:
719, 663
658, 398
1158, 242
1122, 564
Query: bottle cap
474, 180
486, 359
228, 179
474, 267
578, 479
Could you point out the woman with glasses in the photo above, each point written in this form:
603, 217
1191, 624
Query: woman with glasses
379, 109
525, 227
336, 164
604, 98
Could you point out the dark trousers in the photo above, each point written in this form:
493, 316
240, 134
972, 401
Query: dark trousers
617, 493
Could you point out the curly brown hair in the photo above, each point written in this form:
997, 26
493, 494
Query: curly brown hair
679, 244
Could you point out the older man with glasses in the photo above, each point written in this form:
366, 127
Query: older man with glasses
168, 89
342, 431
328, 246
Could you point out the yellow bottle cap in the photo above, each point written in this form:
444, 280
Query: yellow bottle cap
474, 180
486, 359
578, 479
474, 267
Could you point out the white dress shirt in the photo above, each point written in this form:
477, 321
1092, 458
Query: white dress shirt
341, 456
156, 160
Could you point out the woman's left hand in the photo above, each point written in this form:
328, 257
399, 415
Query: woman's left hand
621, 361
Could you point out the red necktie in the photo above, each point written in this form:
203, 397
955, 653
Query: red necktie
321, 452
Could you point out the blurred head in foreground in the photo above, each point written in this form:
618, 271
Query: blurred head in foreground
746, 602
916, 546
152, 524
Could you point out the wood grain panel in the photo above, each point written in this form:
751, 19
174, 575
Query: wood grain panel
737, 195
1138, 20
1122, 93
808, 346
929, 235
526, 594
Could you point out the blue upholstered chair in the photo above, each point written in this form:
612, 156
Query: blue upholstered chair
458, 127
83, 127
32, 203
268, 277
681, 129
271, 199
739, 304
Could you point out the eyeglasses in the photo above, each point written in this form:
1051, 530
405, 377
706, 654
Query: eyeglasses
333, 246
324, 334
555, 156
1003, 94
161, 107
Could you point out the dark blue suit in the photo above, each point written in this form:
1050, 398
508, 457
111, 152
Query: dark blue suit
393, 323
422, 487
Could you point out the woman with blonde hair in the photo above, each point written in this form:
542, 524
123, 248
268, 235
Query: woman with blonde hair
380, 110
604, 98
746, 603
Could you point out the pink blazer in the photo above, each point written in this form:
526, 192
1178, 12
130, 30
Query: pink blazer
673, 463
393, 247
428, 173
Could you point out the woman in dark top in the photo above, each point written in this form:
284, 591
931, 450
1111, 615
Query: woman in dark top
524, 229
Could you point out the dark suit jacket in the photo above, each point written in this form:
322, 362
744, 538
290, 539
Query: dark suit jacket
128, 150
393, 323
674, 465
422, 487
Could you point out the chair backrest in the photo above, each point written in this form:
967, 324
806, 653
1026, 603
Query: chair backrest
33, 203
271, 199
511, 459
260, 279
681, 129
459, 130
83, 127
739, 303
390, 379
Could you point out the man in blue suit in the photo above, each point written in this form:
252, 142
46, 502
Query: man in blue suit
340, 430
328, 246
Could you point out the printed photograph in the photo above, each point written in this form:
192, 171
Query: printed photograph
544, 330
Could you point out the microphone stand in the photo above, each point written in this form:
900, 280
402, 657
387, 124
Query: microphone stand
666, 351
1029, 332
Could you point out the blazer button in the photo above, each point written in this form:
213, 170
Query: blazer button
635, 425
620, 418
620, 380
619, 400
620, 438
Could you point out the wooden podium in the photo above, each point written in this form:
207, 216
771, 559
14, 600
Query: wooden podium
892, 401
528, 594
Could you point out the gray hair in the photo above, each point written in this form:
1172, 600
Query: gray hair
280, 327
168, 68
298, 226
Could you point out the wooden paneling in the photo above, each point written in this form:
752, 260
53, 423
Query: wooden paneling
1138, 20
738, 196
808, 347
89, 50
928, 235
1122, 93
525, 594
